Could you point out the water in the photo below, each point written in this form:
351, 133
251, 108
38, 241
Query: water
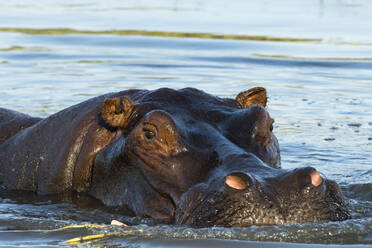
320, 92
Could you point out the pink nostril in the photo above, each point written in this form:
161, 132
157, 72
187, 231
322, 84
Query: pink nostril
316, 179
236, 182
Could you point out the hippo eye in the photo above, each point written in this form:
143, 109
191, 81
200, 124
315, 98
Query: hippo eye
149, 131
149, 134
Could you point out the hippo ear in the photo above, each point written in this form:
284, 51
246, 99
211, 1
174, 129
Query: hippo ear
252, 96
117, 111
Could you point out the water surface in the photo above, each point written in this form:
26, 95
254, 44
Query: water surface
314, 58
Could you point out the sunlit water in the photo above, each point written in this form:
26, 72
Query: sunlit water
320, 96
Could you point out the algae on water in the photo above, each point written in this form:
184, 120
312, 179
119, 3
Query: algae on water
12, 48
65, 31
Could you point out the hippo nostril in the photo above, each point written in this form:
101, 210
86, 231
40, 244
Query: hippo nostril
308, 176
316, 179
236, 181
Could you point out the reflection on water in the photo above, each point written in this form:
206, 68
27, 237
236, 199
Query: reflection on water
320, 96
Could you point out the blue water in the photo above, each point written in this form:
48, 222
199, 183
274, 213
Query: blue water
320, 96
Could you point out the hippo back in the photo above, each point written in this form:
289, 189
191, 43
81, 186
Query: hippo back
48, 155
11, 122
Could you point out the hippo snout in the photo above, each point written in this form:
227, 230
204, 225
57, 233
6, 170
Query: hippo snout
242, 199
301, 178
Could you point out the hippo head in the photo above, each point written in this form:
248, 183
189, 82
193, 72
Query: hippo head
187, 157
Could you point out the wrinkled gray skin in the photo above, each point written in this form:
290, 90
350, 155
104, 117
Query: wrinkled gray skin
167, 155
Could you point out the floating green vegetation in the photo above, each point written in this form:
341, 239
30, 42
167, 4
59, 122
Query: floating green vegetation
65, 31
309, 58
82, 226
90, 61
18, 48
89, 239
12, 48
86, 239
4, 62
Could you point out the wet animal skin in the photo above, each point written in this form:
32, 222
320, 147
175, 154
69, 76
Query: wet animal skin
177, 156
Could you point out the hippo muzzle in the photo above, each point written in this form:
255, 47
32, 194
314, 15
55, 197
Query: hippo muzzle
240, 199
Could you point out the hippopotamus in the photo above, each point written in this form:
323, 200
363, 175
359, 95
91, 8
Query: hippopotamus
177, 156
